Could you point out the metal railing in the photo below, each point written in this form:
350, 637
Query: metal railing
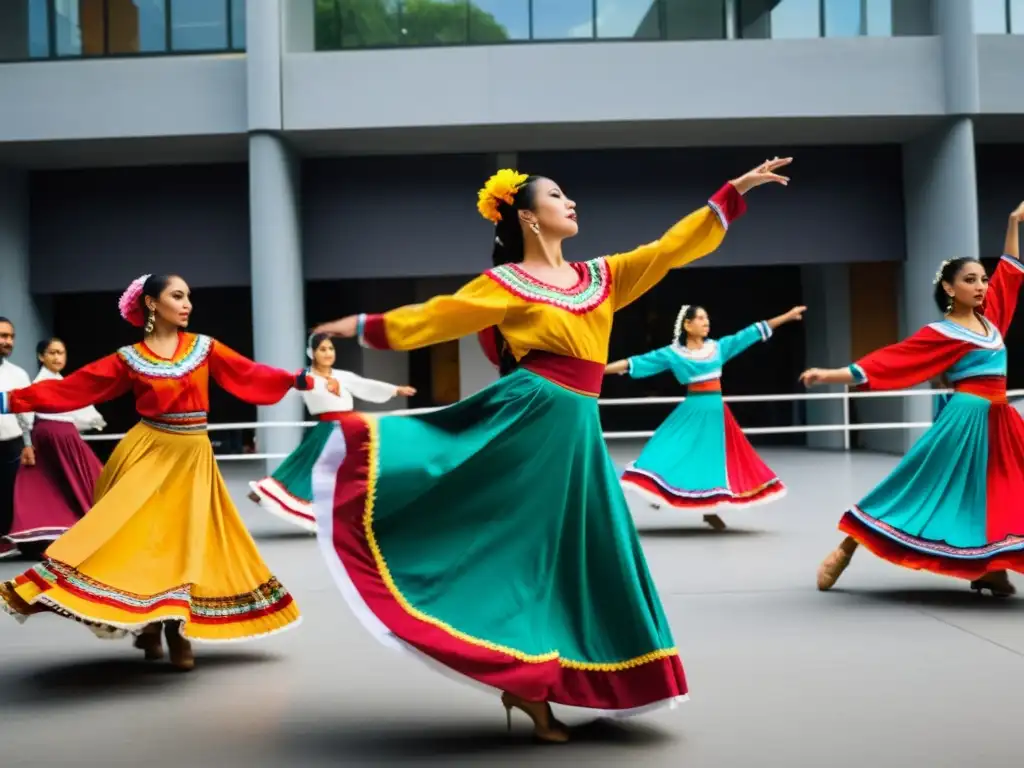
846, 427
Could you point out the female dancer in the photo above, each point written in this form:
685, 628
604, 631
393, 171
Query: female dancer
699, 458
492, 536
955, 504
163, 543
288, 493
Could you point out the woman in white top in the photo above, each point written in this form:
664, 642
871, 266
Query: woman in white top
54, 493
288, 493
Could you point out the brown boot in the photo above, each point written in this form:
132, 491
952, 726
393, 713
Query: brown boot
180, 649
715, 522
996, 582
833, 566
149, 641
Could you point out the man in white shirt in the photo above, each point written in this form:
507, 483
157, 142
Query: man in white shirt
15, 434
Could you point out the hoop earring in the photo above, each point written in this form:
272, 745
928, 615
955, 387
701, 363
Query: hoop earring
150, 322
535, 227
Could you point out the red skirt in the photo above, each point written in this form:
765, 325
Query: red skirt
53, 495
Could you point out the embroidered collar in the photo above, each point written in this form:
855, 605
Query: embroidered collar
591, 289
707, 350
990, 340
192, 352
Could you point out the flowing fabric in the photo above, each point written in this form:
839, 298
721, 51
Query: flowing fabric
163, 542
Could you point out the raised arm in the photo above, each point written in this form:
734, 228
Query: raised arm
643, 366
737, 343
916, 359
1004, 288
479, 304
371, 390
252, 382
697, 235
94, 383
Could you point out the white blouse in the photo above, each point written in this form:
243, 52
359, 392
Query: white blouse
318, 400
84, 419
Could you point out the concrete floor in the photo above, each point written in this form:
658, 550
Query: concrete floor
891, 669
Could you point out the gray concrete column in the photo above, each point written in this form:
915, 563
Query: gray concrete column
279, 323
826, 290
941, 204
278, 306
940, 185
954, 23
30, 316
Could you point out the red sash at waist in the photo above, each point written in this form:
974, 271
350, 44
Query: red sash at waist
332, 415
992, 388
582, 376
704, 387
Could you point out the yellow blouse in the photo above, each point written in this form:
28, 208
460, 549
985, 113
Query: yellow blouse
531, 315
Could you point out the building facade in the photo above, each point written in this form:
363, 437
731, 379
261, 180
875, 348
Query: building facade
303, 159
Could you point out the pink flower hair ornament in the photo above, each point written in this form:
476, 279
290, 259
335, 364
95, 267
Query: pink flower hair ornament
129, 304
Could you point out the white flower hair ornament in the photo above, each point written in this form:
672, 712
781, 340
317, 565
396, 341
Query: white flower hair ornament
680, 319
942, 267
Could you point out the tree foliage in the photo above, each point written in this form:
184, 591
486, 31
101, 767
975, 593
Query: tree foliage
382, 23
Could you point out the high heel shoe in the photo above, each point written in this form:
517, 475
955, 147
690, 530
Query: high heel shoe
997, 582
149, 642
179, 648
545, 727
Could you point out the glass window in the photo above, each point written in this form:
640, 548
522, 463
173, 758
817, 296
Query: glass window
356, 24
908, 18
786, 19
238, 25
136, 25
79, 27
435, 22
629, 19
494, 21
24, 30
199, 25
1017, 17
990, 17
38, 29
694, 19
563, 19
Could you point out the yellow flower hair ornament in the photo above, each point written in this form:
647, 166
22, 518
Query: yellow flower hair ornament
501, 187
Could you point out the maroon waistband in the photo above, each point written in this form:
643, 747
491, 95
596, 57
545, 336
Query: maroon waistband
582, 376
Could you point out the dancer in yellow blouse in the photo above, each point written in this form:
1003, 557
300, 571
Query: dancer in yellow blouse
492, 536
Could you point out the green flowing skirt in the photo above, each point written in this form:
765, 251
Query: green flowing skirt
493, 537
288, 493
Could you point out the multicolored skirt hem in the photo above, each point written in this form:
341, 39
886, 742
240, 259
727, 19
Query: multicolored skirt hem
275, 499
288, 493
36, 534
351, 490
954, 505
163, 543
58, 588
700, 459
658, 492
935, 556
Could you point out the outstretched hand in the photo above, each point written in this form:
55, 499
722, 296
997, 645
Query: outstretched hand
1018, 213
406, 391
345, 327
765, 173
796, 313
812, 377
